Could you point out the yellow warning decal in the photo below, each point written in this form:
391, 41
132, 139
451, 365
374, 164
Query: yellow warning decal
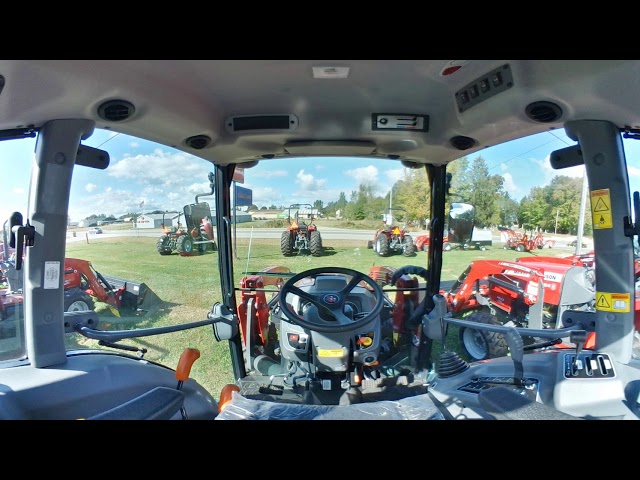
601, 209
613, 302
330, 353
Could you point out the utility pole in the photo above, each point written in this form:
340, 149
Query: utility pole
556, 230
583, 206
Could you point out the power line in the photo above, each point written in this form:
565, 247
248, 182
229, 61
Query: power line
110, 138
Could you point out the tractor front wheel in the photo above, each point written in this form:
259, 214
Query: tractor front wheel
446, 247
163, 245
185, 245
286, 244
480, 344
408, 249
315, 243
78, 301
382, 245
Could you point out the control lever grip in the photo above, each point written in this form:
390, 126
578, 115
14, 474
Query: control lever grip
433, 324
516, 347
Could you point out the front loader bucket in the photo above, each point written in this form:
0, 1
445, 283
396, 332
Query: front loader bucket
137, 296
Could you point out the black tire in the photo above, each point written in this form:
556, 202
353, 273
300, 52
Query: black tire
184, 244
315, 243
520, 248
369, 244
481, 345
382, 245
286, 244
163, 245
78, 301
446, 247
408, 249
425, 248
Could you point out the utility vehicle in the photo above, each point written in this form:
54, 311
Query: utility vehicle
247, 333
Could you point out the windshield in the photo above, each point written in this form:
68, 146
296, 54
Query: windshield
142, 248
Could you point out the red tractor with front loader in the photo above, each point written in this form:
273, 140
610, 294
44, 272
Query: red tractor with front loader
301, 233
392, 238
83, 286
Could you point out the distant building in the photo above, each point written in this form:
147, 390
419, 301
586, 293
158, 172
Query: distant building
264, 214
155, 220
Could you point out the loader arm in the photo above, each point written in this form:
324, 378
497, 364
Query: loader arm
98, 286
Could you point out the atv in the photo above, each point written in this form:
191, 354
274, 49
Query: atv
300, 235
391, 238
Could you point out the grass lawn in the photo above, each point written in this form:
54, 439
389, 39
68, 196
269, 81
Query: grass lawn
189, 286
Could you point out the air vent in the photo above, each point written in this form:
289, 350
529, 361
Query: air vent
543, 112
462, 143
116, 110
198, 141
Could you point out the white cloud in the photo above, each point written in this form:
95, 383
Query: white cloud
364, 175
307, 182
268, 173
509, 185
90, 187
394, 175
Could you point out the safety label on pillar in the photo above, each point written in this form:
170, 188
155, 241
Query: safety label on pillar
601, 209
613, 302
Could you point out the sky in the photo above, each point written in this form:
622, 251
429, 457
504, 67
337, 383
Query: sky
144, 176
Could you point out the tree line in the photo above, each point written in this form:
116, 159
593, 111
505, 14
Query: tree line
552, 208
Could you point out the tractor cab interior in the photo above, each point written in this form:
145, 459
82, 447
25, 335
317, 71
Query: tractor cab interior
248, 313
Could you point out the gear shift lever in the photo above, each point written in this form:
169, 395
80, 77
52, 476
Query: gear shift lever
579, 337
516, 347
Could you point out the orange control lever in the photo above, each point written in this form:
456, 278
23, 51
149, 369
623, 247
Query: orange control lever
187, 358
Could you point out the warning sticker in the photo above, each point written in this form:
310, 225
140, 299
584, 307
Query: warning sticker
330, 353
601, 209
613, 302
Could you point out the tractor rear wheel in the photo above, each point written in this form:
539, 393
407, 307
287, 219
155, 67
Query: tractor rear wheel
286, 244
185, 244
520, 248
315, 243
479, 344
382, 245
408, 249
78, 301
163, 245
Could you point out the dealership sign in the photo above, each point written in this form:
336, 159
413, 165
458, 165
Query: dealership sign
244, 197
238, 175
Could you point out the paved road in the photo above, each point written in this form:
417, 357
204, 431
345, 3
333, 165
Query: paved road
328, 233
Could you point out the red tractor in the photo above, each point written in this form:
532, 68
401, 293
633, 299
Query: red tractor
197, 237
391, 238
521, 242
301, 234
83, 285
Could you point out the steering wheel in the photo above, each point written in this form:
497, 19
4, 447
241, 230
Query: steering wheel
330, 317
